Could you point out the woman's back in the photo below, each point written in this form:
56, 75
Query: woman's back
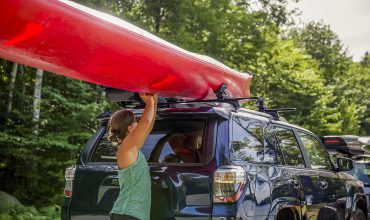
135, 190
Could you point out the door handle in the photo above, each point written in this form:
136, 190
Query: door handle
294, 182
323, 184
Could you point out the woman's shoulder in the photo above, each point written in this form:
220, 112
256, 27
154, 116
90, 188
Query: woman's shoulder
126, 157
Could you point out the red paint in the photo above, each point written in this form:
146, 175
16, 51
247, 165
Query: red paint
166, 81
63, 38
30, 30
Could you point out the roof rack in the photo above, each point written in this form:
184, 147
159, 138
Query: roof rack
128, 99
132, 100
273, 112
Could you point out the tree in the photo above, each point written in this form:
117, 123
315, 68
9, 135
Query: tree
13, 76
343, 79
366, 59
356, 92
324, 46
22, 86
37, 100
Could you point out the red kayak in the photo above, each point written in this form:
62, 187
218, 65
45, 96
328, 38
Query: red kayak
75, 41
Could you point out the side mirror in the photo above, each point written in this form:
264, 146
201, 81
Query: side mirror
345, 164
365, 142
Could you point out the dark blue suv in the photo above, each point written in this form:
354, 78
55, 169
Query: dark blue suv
220, 161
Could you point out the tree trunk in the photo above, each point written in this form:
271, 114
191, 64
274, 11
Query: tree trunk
158, 16
23, 86
97, 97
103, 93
37, 100
13, 75
98, 4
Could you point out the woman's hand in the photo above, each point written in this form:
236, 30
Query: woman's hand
155, 97
148, 98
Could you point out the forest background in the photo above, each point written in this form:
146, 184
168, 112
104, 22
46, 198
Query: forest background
46, 118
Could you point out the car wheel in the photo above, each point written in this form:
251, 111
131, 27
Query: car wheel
359, 215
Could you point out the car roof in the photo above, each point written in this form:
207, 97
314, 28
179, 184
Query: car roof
283, 123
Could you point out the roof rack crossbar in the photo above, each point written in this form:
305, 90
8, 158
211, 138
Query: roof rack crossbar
275, 112
233, 101
262, 107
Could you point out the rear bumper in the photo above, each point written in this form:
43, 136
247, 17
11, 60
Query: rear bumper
64, 212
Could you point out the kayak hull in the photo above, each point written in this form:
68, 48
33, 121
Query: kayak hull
65, 38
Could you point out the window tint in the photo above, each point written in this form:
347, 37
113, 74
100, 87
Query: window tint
289, 147
269, 144
171, 141
105, 151
167, 150
316, 154
249, 143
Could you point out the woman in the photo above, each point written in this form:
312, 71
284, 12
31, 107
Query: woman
134, 199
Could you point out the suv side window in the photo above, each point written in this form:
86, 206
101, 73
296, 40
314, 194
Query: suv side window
316, 154
269, 144
289, 147
248, 142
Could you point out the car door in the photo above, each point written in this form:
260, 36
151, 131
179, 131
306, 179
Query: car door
95, 181
272, 186
333, 187
180, 189
293, 160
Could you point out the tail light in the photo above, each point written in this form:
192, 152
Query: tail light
69, 176
334, 141
228, 184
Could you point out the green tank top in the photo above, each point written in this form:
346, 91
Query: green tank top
135, 190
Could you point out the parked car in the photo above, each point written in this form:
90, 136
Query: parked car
365, 142
361, 172
343, 145
219, 161
361, 169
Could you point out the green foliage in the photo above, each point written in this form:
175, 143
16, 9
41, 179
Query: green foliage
344, 102
68, 119
25, 158
324, 46
20, 212
354, 91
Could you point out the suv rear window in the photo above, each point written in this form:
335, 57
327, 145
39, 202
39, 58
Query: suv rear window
171, 141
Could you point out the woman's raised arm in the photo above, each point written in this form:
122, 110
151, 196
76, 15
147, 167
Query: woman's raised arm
138, 136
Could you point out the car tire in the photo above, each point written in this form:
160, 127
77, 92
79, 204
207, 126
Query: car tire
359, 214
